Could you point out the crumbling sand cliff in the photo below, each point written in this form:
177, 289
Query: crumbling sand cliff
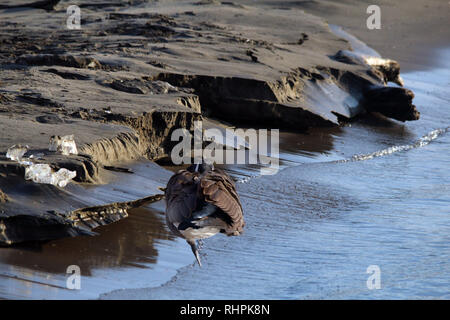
134, 73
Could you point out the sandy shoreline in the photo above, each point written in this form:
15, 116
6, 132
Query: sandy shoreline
132, 75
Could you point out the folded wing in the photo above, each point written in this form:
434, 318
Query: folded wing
181, 198
218, 189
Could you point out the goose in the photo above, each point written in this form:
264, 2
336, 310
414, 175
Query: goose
202, 201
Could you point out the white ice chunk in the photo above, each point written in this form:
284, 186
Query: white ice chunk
63, 177
42, 173
16, 152
65, 144
39, 173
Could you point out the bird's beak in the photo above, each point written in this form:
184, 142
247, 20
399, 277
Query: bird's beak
195, 251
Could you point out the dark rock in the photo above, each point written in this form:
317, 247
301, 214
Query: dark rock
392, 102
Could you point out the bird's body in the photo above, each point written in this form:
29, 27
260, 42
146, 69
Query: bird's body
201, 202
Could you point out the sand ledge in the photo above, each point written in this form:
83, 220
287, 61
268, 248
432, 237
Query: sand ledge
127, 79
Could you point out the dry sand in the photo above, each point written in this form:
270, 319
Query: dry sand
410, 29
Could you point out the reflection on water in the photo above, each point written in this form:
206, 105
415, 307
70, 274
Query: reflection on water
132, 242
314, 229
129, 242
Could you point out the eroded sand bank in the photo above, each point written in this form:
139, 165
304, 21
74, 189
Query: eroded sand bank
134, 73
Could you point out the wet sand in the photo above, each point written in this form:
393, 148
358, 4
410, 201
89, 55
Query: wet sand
138, 252
238, 65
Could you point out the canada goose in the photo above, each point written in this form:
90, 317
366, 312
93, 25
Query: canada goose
201, 202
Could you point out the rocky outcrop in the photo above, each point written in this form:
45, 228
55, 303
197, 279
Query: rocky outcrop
392, 102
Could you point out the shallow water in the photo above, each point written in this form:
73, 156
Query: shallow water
135, 252
375, 192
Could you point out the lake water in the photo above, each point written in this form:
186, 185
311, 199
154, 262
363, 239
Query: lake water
376, 192
373, 193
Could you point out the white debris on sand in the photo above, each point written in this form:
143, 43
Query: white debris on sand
16, 152
65, 144
42, 173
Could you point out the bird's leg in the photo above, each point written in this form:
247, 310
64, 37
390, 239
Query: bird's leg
195, 251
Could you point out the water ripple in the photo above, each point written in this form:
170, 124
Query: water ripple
423, 141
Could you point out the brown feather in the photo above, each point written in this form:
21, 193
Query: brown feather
185, 189
219, 190
181, 197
